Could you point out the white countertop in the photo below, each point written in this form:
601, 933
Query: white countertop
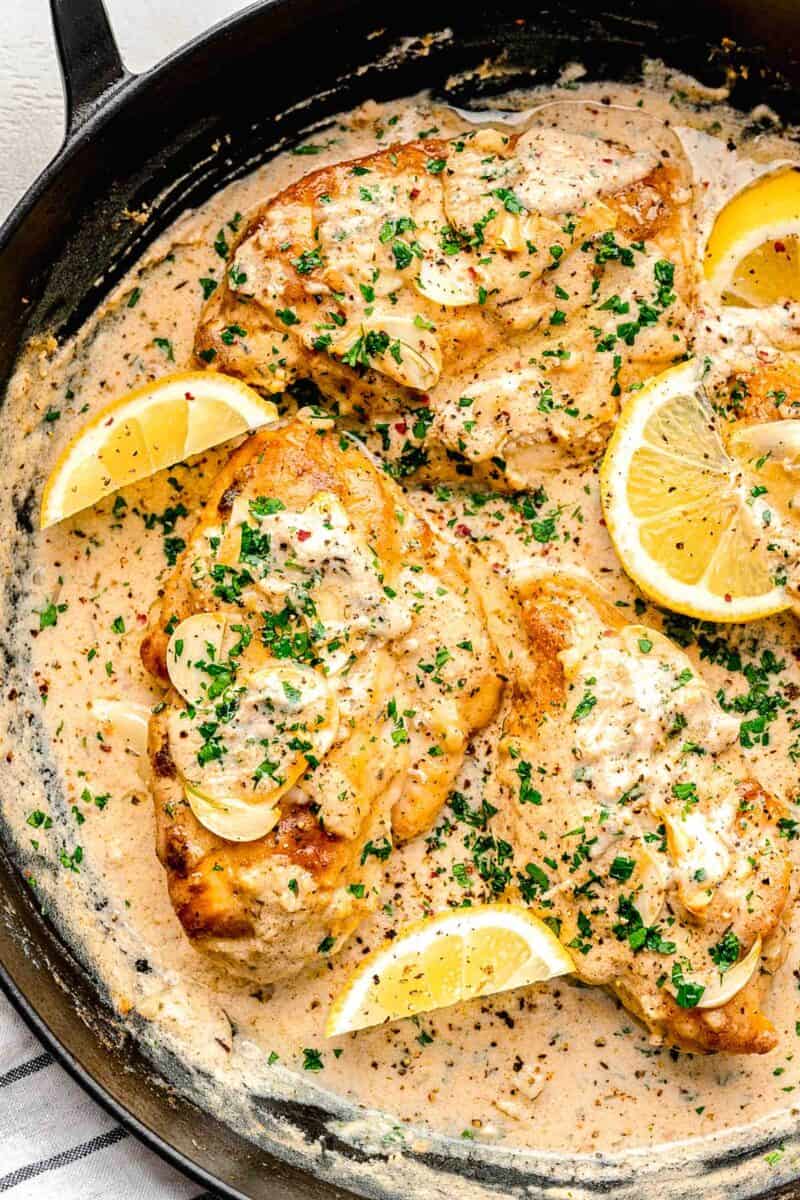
31, 102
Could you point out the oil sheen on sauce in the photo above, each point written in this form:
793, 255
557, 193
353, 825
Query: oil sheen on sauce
556, 1067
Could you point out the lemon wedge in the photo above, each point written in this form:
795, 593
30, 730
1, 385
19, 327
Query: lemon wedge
681, 511
456, 955
149, 429
753, 254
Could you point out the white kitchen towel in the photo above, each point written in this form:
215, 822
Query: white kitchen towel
56, 1142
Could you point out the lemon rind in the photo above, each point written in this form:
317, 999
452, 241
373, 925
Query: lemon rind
211, 385
653, 579
419, 935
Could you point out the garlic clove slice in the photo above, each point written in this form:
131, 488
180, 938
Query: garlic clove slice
447, 282
298, 691
650, 881
413, 356
291, 711
126, 718
732, 982
232, 818
196, 640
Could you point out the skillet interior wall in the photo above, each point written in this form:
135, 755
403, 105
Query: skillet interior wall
154, 151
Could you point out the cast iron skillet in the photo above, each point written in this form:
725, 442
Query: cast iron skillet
255, 82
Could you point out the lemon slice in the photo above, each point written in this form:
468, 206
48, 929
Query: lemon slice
753, 253
149, 429
680, 510
456, 955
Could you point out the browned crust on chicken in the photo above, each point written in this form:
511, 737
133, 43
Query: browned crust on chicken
225, 308
763, 392
275, 327
230, 897
738, 1026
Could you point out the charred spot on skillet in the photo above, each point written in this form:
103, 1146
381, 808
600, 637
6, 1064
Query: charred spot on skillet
24, 509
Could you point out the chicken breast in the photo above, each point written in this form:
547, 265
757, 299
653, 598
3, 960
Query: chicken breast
759, 413
505, 286
327, 660
635, 826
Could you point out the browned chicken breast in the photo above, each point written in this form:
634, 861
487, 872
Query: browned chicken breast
636, 829
327, 661
507, 287
759, 413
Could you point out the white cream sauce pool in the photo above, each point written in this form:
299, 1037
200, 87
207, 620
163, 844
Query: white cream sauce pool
558, 1067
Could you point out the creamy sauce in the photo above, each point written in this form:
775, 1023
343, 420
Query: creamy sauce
561, 1067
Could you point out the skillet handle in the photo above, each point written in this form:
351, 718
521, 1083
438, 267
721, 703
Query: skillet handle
91, 66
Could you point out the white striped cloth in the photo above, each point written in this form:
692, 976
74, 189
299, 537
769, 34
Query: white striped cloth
55, 1141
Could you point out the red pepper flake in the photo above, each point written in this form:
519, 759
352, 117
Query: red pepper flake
414, 193
401, 427
463, 531
780, 247
141, 618
728, 598
303, 535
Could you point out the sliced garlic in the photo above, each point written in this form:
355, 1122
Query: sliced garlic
447, 281
697, 851
302, 693
286, 718
780, 440
494, 402
507, 232
650, 880
198, 639
232, 818
126, 718
739, 975
418, 350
